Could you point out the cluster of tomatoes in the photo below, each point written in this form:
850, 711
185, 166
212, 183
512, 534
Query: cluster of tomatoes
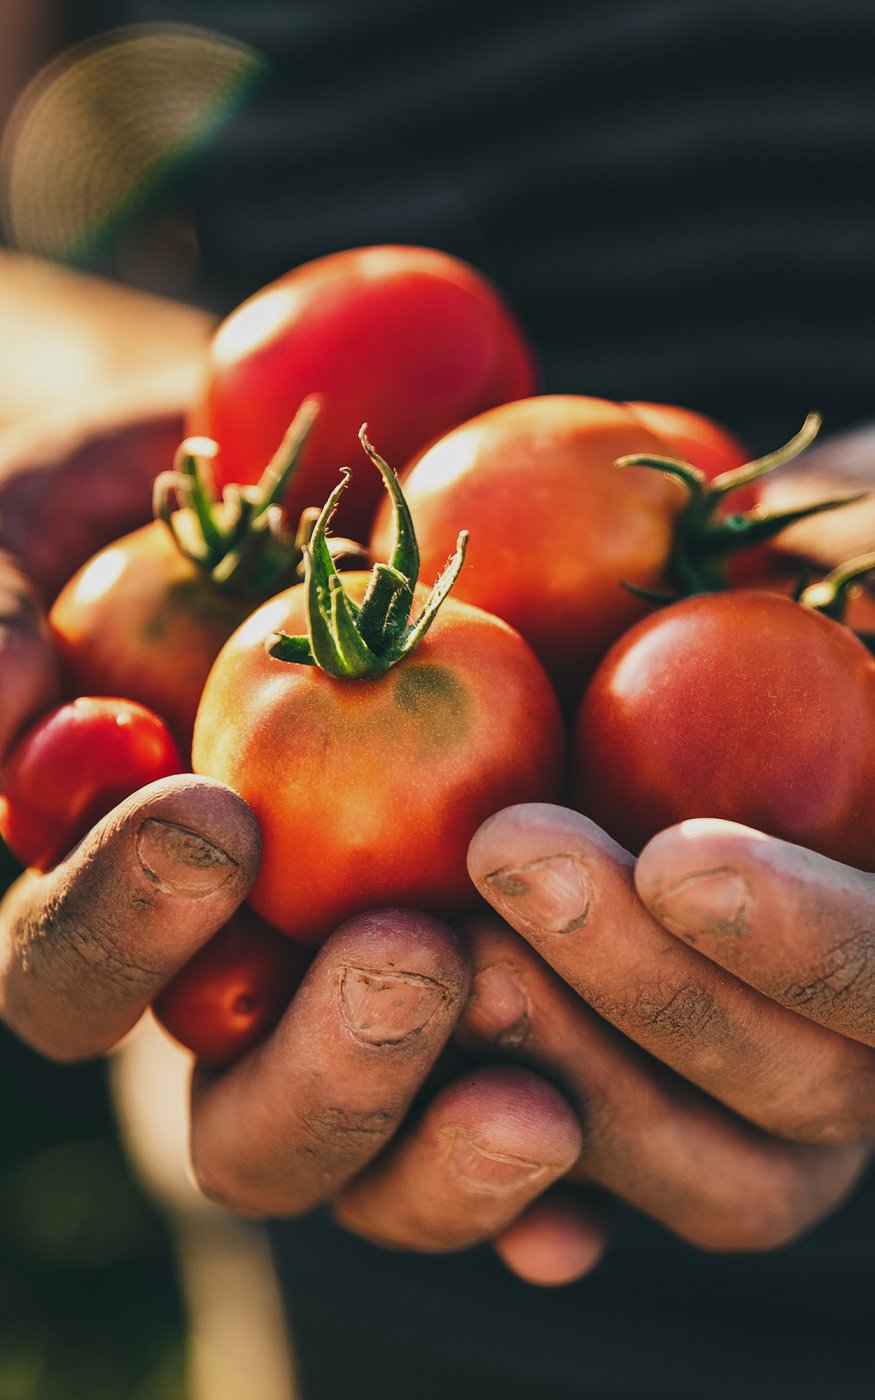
372, 725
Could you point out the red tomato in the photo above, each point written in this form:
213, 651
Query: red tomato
693, 437
233, 991
556, 529
740, 705
409, 340
72, 767
140, 619
367, 792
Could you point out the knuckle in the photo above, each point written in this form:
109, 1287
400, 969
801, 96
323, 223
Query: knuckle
61, 932
341, 1134
843, 987
678, 1014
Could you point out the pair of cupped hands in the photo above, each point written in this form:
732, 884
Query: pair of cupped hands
692, 1032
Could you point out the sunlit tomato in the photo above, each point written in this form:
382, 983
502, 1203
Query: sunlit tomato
72, 767
693, 437
233, 991
367, 792
740, 705
556, 529
139, 619
409, 340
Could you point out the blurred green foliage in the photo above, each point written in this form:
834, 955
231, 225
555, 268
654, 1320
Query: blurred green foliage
89, 1302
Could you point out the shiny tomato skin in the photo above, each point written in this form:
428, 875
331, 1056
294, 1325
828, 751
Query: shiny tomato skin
556, 529
139, 619
693, 437
72, 767
233, 991
368, 792
410, 340
741, 705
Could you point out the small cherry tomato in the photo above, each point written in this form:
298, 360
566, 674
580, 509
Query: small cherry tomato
740, 705
411, 340
72, 767
233, 991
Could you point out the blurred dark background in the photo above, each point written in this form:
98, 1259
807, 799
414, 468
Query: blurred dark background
677, 198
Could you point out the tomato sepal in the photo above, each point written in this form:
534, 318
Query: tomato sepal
704, 539
351, 642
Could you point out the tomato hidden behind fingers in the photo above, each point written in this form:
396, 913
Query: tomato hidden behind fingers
72, 767
743, 705
367, 792
233, 991
410, 340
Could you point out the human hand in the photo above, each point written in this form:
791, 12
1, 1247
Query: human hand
722, 1071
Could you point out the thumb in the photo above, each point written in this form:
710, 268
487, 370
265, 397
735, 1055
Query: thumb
84, 949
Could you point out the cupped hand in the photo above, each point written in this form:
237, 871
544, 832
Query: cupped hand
709, 1014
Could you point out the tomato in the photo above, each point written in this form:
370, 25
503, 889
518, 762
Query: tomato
233, 991
410, 340
368, 791
147, 616
693, 437
139, 619
72, 767
740, 705
556, 528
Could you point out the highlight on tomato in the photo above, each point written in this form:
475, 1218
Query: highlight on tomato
369, 744
72, 767
410, 339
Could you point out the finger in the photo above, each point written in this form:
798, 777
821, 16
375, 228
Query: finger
568, 889
27, 661
312, 1105
798, 927
649, 1137
484, 1148
84, 949
559, 1238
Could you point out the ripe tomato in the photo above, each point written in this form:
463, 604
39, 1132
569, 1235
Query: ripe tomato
233, 991
740, 705
693, 437
147, 616
556, 528
367, 792
140, 619
408, 339
72, 767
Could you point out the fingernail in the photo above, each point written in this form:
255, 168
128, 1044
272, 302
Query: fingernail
491, 1172
498, 1007
709, 902
383, 1008
179, 860
551, 895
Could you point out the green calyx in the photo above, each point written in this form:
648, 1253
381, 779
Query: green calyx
705, 538
240, 541
832, 594
351, 641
